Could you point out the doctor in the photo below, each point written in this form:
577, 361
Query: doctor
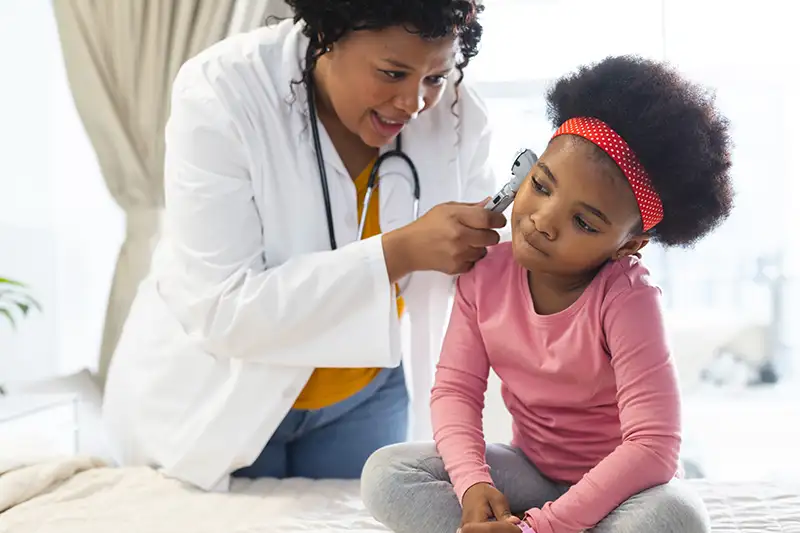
273, 337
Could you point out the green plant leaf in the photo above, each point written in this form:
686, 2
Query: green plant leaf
10, 317
25, 299
33, 303
14, 297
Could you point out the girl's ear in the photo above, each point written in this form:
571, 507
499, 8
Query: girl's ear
632, 247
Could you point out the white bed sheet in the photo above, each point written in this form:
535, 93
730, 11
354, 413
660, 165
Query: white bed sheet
83, 496
751, 507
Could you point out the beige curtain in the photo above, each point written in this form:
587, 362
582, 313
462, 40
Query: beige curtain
121, 57
250, 12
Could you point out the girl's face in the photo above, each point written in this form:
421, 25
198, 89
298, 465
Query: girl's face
574, 212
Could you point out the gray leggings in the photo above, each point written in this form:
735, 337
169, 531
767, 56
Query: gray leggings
406, 487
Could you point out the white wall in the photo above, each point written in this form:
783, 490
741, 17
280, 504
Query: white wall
59, 230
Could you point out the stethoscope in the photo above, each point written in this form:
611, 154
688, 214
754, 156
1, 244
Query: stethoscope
372, 182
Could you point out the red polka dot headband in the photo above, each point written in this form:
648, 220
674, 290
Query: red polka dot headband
600, 134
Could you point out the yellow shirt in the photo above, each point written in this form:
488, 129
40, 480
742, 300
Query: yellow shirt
328, 386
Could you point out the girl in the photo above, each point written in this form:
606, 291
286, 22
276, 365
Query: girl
568, 318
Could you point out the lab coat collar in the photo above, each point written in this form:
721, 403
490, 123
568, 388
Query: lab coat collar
293, 59
294, 94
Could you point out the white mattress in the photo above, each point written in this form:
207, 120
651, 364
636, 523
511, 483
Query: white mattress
734, 508
84, 496
751, 507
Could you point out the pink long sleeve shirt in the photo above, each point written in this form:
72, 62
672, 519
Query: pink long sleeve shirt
592, 390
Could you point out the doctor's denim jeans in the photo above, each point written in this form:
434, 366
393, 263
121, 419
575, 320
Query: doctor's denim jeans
407, 489
335, 441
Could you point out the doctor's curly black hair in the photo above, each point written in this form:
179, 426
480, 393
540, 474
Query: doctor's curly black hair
673, 127
327, 21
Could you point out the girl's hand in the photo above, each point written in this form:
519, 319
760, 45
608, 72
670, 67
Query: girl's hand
501, 526
483, 502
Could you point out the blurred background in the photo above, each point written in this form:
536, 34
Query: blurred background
731, 301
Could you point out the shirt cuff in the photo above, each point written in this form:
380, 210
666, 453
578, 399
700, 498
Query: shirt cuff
538, 526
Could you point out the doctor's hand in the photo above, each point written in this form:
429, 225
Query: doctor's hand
449, 238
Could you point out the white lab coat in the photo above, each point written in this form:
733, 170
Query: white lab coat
245, 297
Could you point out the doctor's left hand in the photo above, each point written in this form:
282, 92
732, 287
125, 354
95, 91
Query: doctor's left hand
449, 238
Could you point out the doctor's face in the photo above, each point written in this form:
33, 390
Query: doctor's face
377, 81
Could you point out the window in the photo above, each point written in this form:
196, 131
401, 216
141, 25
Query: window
543, 39
59, 229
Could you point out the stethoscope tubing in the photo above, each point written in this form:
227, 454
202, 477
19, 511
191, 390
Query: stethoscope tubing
374, 174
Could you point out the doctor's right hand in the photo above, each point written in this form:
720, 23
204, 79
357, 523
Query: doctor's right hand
449, 238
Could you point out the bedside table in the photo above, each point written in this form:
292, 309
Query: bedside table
38, 425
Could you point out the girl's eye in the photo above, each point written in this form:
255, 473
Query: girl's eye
436, 80
394, 74
583, 225
539, 187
